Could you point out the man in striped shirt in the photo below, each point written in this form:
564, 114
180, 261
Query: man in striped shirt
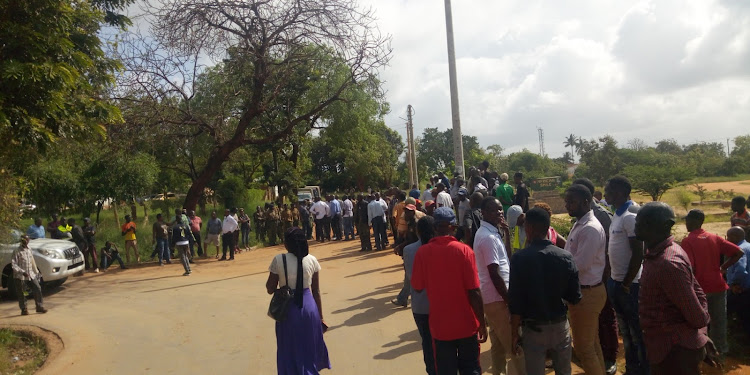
26, 275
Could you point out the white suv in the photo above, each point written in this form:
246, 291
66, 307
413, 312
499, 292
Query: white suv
55, 259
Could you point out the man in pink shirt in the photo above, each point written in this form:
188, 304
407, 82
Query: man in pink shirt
704, 251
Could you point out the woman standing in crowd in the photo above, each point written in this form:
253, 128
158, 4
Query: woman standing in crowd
300, 349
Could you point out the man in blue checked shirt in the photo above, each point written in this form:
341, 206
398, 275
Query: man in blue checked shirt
738, 278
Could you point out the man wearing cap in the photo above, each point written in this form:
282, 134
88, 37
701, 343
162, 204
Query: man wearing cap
446, 269
493, 267
704, 250
414, 192
429, 207
408, 236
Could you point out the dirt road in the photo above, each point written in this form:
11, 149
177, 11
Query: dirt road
152, 320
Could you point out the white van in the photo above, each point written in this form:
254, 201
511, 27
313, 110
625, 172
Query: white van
55, 259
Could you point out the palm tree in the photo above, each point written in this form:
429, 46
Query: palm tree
571, 141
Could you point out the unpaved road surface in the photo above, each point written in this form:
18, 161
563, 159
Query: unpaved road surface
152, 320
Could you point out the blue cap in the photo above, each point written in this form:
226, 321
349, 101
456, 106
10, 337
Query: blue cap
444, 214
463, 191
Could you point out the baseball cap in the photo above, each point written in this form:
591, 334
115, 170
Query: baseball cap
463, 191
429, 203
410, 200
444, 214
410, 207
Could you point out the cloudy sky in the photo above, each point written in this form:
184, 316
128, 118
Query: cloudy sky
650, 69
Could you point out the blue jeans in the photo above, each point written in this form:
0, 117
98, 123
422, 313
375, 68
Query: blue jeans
626, 307
349, 227
717, 329
403, 295
162, 249
423, 326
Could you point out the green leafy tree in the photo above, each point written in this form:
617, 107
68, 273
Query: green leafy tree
602, 159
435, 150
54, 72
654, 178
571, 141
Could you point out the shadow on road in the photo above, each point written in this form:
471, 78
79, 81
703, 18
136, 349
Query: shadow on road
389, 269
413, 343
201, 283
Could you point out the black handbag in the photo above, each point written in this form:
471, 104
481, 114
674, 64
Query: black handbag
281, 299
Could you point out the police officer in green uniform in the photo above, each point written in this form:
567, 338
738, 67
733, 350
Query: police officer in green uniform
259, 219
272, 219
286, 218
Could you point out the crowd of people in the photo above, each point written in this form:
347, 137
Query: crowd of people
482, 262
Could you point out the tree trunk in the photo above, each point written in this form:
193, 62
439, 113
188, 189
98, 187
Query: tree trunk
217, 157
117, 217
99, 210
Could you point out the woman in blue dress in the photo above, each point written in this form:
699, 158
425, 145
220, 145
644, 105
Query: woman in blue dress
300, 349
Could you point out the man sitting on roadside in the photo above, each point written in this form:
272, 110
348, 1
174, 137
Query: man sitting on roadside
109, 254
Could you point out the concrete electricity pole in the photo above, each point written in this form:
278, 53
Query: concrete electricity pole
409, 152
413, 176
458, 146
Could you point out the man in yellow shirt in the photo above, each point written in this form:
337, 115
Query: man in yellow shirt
128, 230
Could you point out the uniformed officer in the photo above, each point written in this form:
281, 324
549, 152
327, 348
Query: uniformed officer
259, 219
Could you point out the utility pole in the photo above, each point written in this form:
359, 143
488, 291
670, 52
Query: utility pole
458, 146
409, 152
727, 147
541, 141
413, 176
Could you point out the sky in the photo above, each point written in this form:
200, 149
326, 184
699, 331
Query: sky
651, 69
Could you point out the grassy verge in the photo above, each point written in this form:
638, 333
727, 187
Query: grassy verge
703, 180
21, 352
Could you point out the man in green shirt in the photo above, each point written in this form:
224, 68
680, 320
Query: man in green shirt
504, 193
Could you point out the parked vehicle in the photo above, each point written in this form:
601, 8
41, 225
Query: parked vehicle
55, 259
308, 192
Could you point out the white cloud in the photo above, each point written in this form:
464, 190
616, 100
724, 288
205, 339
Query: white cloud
650, 70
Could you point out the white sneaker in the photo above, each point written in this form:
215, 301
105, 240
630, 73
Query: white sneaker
96, 270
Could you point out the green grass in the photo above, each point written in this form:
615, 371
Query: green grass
107, 230
30, 350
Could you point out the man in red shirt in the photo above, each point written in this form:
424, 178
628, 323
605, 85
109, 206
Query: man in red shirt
704, 251
446, 268
672, 306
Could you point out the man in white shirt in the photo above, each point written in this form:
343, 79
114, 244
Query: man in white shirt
319, 209
587, 243
625, 260
443, 199
376, 214
347, 207
228, 227
493, 267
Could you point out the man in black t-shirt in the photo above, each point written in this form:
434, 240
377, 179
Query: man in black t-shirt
522, 193
363, 224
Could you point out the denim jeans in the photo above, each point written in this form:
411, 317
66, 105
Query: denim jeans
460, 356
245, 229
184, 256
349, 227
423, 326
717, 329
162, 249
550, 338
106, 262
403, 295
626, 307
36, 291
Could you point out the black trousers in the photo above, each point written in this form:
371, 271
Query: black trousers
327, 227
197, 236
460, 356
378, 231
319, 230
423, 326
227, 243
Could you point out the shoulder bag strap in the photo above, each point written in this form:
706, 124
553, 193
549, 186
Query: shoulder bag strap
286, 278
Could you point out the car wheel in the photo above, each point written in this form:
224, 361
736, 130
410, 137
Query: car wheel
12, 287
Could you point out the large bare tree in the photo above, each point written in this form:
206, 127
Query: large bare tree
272, 66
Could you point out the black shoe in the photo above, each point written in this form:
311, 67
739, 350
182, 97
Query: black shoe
124, 268
222, 259
24, 312
232, 258
191, 261
40, 310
